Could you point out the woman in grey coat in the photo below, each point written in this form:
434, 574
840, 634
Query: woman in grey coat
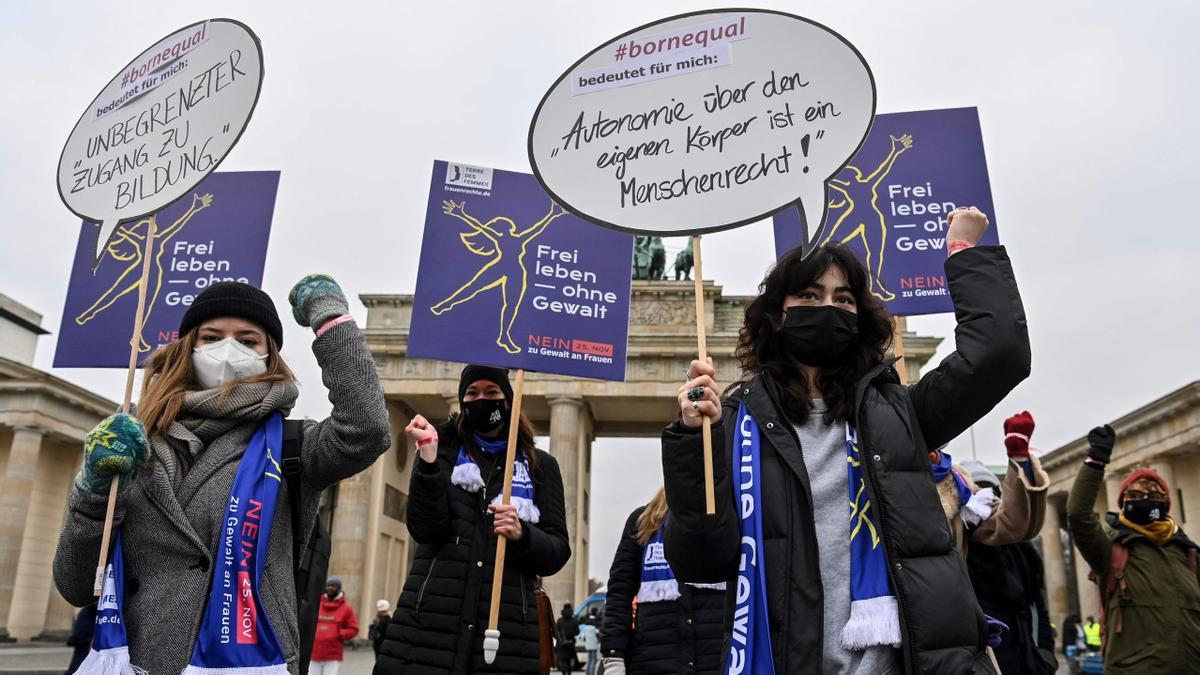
204, 397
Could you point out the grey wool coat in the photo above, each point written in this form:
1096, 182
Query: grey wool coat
171, 535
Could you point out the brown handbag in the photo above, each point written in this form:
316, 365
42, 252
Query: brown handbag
547, 630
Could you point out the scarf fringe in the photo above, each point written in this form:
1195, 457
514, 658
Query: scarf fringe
114, 661
658, 591
277, 669
709, 587
872, 622
526, 509
467, 477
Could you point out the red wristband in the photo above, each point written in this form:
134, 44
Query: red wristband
333, 322
957, 246
426, 441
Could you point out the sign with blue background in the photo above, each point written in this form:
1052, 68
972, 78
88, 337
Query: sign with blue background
889, 204
216, 232
508, 278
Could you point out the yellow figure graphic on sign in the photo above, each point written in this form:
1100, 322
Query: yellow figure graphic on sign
506, 246
860, 507
852, 193
126, 247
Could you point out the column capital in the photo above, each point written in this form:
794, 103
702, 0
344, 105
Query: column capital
565, 399
29, 429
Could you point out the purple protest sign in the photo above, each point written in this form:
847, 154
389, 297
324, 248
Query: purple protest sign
218, 231
508, 278
889, 204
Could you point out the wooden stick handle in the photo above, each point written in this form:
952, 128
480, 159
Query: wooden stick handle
134, 342
514, 425
710, 499
898, 327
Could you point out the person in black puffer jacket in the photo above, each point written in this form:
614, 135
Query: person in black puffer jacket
679, 628
455, 517
889, 594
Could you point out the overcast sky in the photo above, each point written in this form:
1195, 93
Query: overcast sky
1087, 111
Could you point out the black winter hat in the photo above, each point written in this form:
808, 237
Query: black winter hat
474, 373
233, 298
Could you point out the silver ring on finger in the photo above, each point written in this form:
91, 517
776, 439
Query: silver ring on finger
696, 394
695, 406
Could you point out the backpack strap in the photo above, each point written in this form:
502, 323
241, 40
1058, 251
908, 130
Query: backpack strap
1113, 582
293, 436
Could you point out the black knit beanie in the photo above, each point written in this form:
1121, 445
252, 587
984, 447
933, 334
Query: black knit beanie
232, 298
474, 373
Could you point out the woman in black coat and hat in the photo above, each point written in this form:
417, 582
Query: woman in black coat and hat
455, 516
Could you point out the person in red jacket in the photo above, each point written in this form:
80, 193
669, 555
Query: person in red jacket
336, 623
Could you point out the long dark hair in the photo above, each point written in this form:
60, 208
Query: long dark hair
524, 439
760, 347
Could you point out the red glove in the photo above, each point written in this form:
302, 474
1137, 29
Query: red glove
1017, 430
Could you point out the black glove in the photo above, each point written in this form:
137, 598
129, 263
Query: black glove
1101, 440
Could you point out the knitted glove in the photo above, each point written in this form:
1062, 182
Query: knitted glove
1101, 439
316, 299
612, 665
116, 446
1017, 430
979, 507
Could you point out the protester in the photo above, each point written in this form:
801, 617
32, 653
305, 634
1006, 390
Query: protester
820, 415
591, 642
986, 514
564, 649
1010, 584
455, 516
208, 407
1072, 634
1091, 635
1144, 564
81, 636
336, 623
679, 627
379, 626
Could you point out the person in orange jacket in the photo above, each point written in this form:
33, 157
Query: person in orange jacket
336, 623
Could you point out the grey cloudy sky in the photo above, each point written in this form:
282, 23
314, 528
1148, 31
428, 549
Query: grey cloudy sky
1087, 110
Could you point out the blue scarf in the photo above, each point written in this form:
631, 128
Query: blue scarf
750, 646
110, 647
466, 475
658, 579
235, 635
874, 612
944, 467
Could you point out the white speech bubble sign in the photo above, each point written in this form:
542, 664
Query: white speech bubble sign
165, 122
703, 122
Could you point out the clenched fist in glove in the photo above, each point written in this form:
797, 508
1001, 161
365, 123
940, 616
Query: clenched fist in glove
1017, 430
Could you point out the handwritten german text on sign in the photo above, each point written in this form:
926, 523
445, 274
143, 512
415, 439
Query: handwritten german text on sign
703, 122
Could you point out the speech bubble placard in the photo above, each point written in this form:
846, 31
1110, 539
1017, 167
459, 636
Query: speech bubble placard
702, 122
161, 125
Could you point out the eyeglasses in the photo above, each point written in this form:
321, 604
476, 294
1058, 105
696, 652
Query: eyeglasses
1137, 495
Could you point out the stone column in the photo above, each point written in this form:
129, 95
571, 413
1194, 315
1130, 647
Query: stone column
1166, 469
1112, 488
1056, 573
581, 534
1089, 594
16, 486
566, 416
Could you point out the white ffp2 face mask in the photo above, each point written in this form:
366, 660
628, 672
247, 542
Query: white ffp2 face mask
226, 361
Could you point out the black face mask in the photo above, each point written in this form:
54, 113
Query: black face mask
1145, 511
485, 414
332, 595
819, 336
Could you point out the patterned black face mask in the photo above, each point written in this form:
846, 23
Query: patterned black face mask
485, 414
1145, 511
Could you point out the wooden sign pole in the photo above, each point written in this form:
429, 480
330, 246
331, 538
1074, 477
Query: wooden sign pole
899, 325
139, 317
491, 640
710, 501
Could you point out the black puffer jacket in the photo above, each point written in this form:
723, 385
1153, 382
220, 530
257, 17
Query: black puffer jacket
1010, 583
672, 636
942, 627
442, 612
